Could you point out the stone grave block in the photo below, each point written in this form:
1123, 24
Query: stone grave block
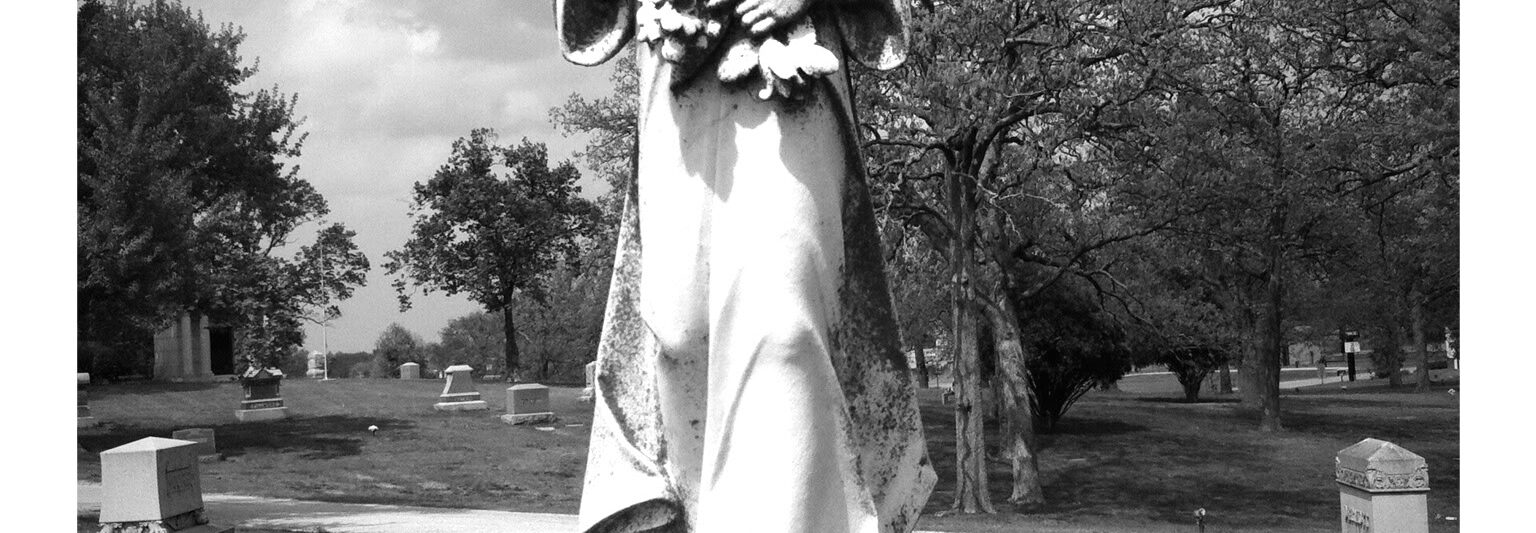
1382, 487
459, 392
207, 445
316, 366
152, 484
528, 403
410, 371
589, 392
263, 398
83, 416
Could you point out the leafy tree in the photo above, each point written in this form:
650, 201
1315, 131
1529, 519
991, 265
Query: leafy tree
396, 346
477, 339
492, 237
611, 122
1075, 346
184, 195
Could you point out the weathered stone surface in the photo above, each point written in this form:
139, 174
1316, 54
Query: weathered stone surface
1381, 488
590, 390
316, 368
263, 396
410, 371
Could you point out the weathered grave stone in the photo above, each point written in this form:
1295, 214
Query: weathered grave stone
263, 398
459, 392
410, 371
528, 403
590, 391
83, 416
316, 366
207, 445
1382, 487
152, 484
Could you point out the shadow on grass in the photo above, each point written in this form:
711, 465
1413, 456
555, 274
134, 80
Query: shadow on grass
321, 437
140, 388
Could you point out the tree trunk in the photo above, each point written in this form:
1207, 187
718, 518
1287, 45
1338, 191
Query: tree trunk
1393, 356
1013, 394
920, 367
971, 492
1266, 376
510, 331
1226, 378
1416, 321
1248, 389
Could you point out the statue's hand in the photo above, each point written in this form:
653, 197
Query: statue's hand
762, 16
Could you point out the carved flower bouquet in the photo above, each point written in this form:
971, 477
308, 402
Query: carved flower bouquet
780, 63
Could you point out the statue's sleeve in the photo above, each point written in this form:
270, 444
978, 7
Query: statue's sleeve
592, 31
874, 31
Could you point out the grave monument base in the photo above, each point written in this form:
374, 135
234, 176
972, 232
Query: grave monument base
528, 418
258, 415
473, 405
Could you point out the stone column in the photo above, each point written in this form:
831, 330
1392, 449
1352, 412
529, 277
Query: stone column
1382, 487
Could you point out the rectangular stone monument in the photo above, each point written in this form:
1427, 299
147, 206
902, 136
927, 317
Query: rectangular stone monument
528, 403
1382, 487
410, 371
207, 445
316, 366
263, 398
152, 484
459, 392
83, 416
590, 391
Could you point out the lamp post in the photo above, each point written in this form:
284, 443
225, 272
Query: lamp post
325, 342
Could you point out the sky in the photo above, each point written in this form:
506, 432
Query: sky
385, 86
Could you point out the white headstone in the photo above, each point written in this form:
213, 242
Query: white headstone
1381, 488
316, 365
149, 479
459, 392
528, 403
590, 391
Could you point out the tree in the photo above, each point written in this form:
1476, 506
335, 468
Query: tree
396, 346
611, 122
476, 339
185, 199
489, 237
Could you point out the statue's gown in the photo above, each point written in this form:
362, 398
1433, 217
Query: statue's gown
750, 375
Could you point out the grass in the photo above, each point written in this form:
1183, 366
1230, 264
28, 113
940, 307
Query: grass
1134, 460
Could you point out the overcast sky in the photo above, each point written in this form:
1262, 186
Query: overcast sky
386, 86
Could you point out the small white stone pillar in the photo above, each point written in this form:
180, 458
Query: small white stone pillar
459, 392
1382, 488
410, 371
316, 368
590, 391
528, 403
152, 484
83, 416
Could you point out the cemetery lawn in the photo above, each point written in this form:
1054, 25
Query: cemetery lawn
1138, 460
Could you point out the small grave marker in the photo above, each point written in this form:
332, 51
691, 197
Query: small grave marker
459, 392
263, 400
1382, 487
410, 371
528, 403
83, 416
207, 444
590, 391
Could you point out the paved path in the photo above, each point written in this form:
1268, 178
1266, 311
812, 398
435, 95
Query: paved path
299, 515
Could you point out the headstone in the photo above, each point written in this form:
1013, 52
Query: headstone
528, 403
83, 416
152, 484
207, 445
590, 391
316, 366
410, 371
459, 392
263, 398
1382, 488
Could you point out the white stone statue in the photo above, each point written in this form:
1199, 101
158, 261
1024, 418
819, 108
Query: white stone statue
750, 376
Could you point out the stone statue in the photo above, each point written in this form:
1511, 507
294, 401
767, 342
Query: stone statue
750, 376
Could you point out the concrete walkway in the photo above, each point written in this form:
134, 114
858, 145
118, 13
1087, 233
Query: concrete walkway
299, 515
